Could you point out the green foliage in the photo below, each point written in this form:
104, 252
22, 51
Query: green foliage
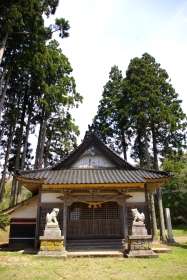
61, 138
143, 110
110, 123
16, 14
4, 220
37, 89
25, 194
175, 193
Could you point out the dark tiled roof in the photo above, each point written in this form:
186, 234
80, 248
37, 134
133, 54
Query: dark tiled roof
92, 176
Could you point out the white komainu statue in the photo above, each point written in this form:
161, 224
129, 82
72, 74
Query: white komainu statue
51, 217
137, 216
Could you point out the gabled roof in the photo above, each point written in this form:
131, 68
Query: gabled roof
63, 173
91, 139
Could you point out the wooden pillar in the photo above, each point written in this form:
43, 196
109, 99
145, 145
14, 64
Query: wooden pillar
125, 221
161, 213
147, 207
153, 217
37, 229
65, 221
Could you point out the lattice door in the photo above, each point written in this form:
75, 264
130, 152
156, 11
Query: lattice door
100, 222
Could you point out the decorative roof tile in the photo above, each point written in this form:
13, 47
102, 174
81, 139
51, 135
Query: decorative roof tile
92, 176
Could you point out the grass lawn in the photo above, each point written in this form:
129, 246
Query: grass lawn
170, 266
180, 231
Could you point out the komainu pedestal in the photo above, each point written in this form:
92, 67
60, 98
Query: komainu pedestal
139, 242
52, 242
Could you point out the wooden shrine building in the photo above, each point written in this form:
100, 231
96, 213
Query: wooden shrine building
95, 191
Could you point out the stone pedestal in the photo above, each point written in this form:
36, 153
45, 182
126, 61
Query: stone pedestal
138, 228
52, 230
139, 243
52, 242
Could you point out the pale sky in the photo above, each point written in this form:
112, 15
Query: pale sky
108, 32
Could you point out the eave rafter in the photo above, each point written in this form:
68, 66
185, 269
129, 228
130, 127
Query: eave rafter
31, 184
93, 186
34, 184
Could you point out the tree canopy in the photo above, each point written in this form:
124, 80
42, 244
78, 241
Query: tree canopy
37, 90
175, 193
141, 111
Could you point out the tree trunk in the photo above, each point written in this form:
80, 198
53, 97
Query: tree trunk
159, 193
40, 145
9, 144
155, 150
2, 80
3, 46
153, 217
147, 154
124, 144
140, 150
46, 153
161, 212
13, 192
15, 189
3, 92
22, 165
147, 205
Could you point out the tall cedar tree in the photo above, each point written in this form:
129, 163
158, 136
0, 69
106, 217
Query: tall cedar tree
54, 93
22, 27
145, 108
158, 119
112, 126
27, 88
148, 107
57, 92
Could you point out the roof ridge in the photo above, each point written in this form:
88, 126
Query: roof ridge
152, 170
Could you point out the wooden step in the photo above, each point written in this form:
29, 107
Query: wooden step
94, 244
94, 241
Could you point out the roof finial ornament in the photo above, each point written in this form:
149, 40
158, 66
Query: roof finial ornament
90, 131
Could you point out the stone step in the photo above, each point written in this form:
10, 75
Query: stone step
81, 248
161, 249
94, 253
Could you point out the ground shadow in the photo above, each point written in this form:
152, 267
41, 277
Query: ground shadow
176, 244
6, 248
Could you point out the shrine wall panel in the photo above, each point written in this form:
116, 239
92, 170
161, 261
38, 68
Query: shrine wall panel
27, 211
51, 197
138, 197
